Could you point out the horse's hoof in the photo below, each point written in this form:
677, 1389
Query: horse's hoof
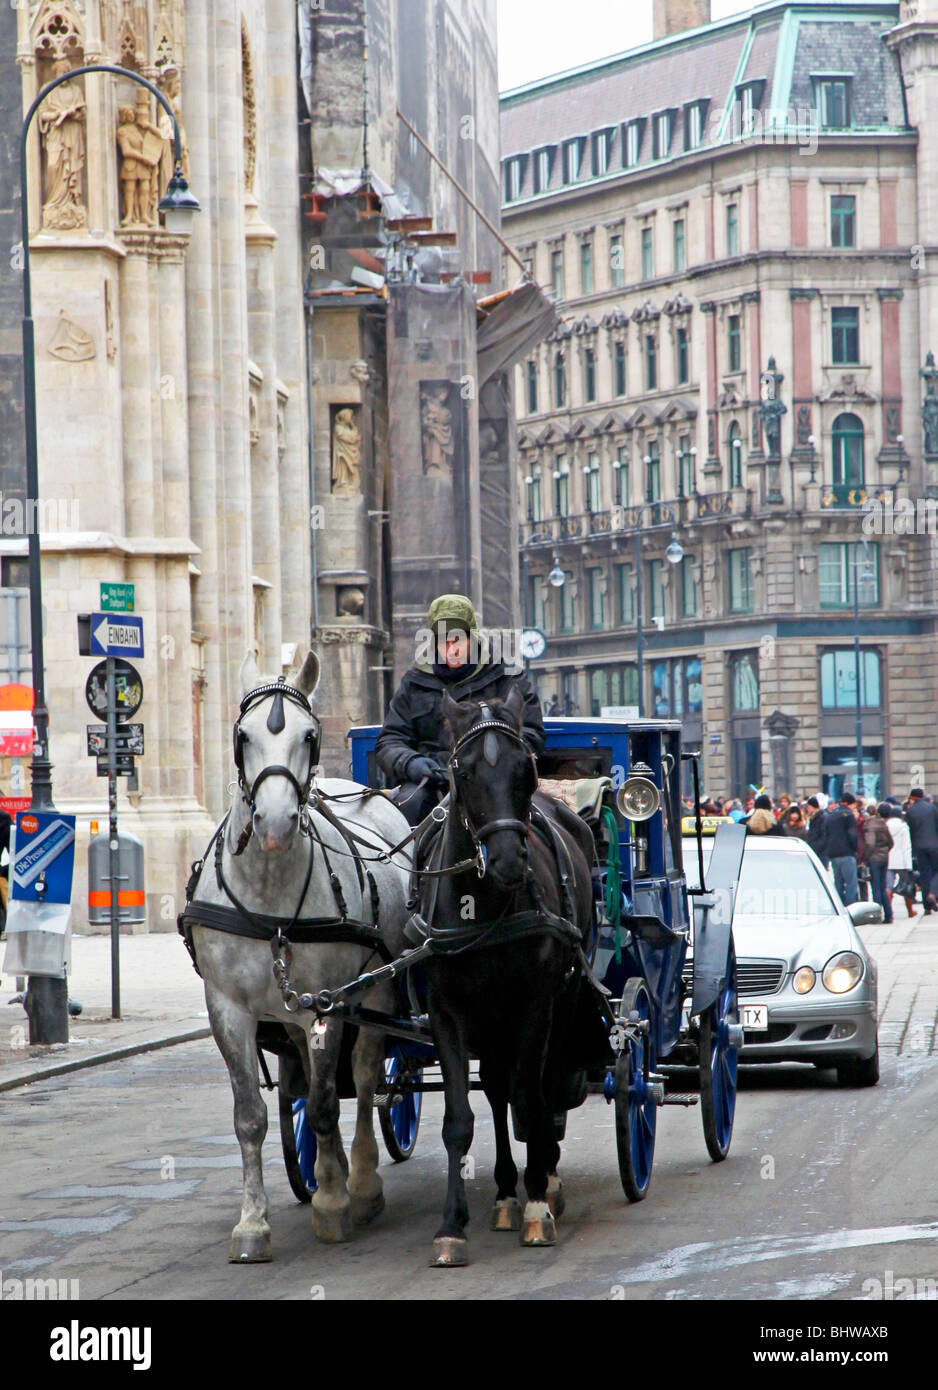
250, 1248
365, 1209
333, 1227
538, 1225
555, 1197
449, 1251
506, 1215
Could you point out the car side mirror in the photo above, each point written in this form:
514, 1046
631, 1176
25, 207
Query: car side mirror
864, 914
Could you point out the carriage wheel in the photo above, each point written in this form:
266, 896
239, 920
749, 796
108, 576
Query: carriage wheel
399, 1123
636, 1111
298, 1140
718, 1063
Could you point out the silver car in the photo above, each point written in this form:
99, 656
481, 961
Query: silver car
806, 982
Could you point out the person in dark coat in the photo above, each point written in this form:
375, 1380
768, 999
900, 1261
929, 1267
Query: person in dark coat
877, 842
414, 744
922, 819
792, 822
842, 841
817, 829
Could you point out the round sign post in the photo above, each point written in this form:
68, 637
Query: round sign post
128, 684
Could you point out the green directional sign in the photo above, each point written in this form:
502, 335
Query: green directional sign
117, 598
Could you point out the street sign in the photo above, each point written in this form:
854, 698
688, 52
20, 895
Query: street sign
116, 636
117, 598
129, 739
129, 690
125, 765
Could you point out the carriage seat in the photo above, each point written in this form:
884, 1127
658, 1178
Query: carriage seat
582, 794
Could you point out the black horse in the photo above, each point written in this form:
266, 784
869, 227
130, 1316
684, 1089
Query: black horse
509, 914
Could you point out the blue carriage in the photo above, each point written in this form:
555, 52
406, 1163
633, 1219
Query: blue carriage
647, 1018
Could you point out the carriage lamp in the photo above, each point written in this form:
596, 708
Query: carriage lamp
638, 798
842, 972
803, 980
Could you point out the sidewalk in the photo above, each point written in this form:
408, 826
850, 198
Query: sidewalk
162, 1002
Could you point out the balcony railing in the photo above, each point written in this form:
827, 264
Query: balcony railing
855, 496
623, 520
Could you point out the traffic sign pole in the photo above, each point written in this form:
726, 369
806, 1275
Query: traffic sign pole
113, 842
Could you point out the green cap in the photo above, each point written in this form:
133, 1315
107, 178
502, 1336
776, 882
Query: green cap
453, 610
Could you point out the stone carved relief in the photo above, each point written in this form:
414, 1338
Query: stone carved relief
170, 86
58, 33
61, 119
929, 374
110, 341
69, 342
141, 147
436, 431
360, 371
803, 427
249, 101
346, 453
254, 425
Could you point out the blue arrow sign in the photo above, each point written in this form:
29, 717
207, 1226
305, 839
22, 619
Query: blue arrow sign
116, 634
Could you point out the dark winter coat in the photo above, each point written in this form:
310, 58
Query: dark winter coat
922, 819
842, 837
817, 836
415, 722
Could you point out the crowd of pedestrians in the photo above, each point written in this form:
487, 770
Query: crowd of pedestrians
874, 850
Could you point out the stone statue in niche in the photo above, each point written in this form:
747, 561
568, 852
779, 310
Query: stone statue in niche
346, 454
170, 83
141, 147
61, 119
436, 426
892, 423
929, 374
804, 424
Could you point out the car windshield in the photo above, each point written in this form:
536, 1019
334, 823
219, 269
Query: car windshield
772, 884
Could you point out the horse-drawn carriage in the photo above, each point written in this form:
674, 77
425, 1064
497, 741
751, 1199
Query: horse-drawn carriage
643, 1017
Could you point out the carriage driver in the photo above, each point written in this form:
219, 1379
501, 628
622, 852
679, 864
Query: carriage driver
414, 743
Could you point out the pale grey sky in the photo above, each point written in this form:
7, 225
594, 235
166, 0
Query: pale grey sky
540, 37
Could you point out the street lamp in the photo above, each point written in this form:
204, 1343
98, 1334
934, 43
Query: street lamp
869, 573
46, 998
900, 440
674, 554
557, 578
675, 551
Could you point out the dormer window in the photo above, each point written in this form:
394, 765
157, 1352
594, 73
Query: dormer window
748, 101
602, 151
633, 143
832, 98
572, 159
543, 164
662, 130
514, 174
695, 116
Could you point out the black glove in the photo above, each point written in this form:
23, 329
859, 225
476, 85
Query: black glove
419, 767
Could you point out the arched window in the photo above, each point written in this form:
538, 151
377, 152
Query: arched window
847, 452
736, 456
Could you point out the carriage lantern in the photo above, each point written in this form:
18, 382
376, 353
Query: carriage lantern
638, 799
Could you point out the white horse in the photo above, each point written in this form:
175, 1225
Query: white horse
265, 862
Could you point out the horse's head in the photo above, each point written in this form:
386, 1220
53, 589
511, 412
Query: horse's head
276, 749
494, 778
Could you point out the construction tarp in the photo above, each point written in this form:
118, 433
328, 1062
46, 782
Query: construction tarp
510, 325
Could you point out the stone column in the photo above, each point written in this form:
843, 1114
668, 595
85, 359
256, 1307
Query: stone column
265, 487
139, 362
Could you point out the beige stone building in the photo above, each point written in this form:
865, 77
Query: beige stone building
170, 382
737, 223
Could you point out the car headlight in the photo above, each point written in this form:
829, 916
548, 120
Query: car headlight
842, 972
803, 980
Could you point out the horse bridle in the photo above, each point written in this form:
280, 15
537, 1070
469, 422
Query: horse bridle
275, 724
480, 834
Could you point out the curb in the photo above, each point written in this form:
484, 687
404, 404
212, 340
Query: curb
97, 1059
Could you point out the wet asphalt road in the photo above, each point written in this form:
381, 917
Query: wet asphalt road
126, 1177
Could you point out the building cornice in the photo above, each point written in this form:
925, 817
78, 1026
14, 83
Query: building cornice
104, 542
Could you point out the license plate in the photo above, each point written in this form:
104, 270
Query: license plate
755, 1016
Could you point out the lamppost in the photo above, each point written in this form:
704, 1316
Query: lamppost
674, 555
46, 998
869, 573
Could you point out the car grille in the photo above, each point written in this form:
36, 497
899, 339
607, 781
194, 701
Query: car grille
759, 976
752, 976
